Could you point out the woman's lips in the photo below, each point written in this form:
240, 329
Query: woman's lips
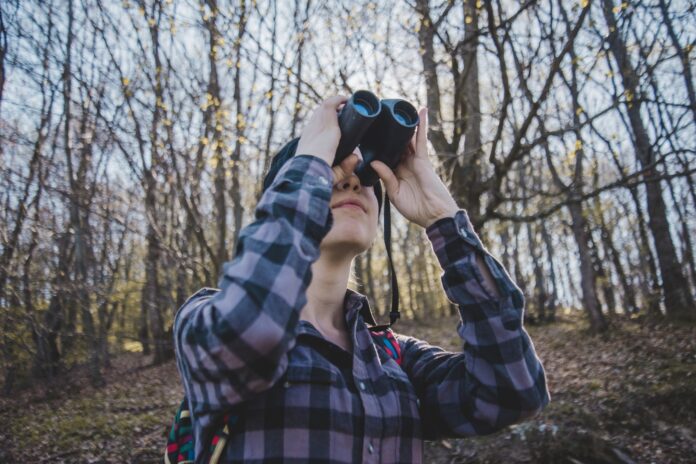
352, 203
351, 206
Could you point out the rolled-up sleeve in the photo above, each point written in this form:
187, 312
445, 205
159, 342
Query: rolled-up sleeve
497, 379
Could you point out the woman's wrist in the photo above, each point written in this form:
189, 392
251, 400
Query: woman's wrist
440, 213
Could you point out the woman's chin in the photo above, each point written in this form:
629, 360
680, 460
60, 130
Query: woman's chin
353, 243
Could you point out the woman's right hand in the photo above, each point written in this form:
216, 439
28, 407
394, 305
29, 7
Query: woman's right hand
321, 135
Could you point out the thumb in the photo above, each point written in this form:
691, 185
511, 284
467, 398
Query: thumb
391, 183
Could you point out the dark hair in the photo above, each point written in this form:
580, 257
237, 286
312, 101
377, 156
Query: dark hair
284, 155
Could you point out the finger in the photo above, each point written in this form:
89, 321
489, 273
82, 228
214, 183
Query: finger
410, 151
350, 164
334, 102
346, 168
391, 183
422, 134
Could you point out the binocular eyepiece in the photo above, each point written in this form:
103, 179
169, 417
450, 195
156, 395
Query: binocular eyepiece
382, 129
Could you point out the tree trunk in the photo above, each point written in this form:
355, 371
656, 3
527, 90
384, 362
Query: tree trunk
152, 291
684, 235
679, 303
301, 24
466, 173
683, 57
629, 292
9, 354
237, 206
587, 273
214, 123
603, 278
78, 216
552, 302
371, 280
539, 281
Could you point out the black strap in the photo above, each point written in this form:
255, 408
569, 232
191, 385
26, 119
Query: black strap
394, 313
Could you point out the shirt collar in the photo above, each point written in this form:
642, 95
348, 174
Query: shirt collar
355, 303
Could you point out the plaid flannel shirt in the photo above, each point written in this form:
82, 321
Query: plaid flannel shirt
299, 398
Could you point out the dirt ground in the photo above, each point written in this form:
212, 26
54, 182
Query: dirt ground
629, 396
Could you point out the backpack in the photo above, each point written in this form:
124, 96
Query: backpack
180, 443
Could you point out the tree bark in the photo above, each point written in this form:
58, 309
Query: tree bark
628, 291
679, 302
78, 213
467, 173
683, 57
237, 206
552, 302
152, 293
214, 126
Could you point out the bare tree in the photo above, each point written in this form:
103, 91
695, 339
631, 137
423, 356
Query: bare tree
678, 299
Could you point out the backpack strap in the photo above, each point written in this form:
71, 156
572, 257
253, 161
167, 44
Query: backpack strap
386, 339
180, 442
180, 446
221, 437
219, 442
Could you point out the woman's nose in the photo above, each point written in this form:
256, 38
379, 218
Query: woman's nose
352, 182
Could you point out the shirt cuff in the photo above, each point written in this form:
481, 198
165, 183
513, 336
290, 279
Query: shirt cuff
309, 179
456, 245
308, 169
453, 238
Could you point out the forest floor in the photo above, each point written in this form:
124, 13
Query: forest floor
629, 396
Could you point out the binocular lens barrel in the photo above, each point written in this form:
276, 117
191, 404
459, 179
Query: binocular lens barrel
364, 108
405, 114
382, 128
365, 103
354, 119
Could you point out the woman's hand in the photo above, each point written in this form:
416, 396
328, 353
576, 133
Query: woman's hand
414, 187
321, 135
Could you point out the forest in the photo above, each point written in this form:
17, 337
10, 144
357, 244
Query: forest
135, 135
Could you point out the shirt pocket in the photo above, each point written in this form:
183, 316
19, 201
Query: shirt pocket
308, 387
399, 382
402, 406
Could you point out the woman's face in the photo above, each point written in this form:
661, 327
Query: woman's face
355, 210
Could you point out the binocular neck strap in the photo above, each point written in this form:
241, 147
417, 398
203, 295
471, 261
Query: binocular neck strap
394, 313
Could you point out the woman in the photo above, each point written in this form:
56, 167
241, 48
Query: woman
284, 346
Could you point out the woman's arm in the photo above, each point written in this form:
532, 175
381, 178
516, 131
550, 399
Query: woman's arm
232, 344
498, 379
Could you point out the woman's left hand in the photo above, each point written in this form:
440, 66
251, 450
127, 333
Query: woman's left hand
414, 187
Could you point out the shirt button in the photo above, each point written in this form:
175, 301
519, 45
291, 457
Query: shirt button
362, 386
323, 180
370, 448
286, 384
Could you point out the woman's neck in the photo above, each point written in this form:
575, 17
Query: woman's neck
326, 294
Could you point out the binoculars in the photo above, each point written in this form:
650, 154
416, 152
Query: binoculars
382, 130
